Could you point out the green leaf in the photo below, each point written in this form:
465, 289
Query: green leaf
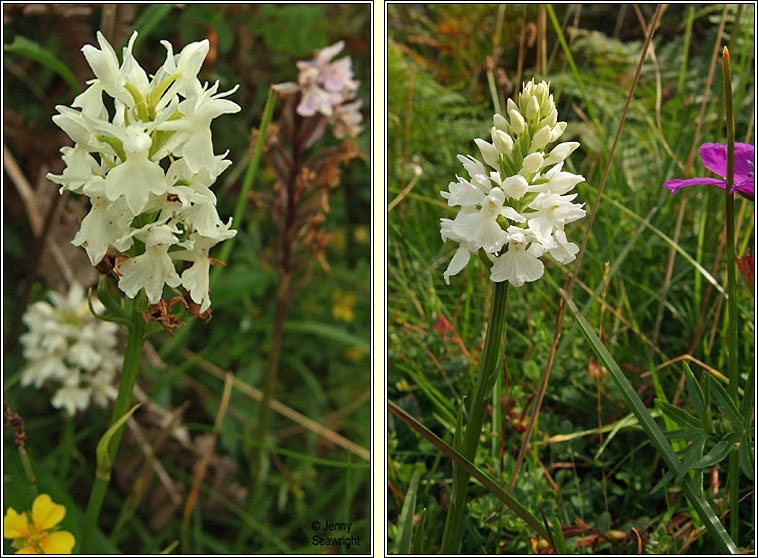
560, 542
150, 18
746, 456
35, 51
717, 454
726, 406
405, 522
689, 457
665, 480
418, 539
682, 418
328, 332
491, 485
653, 431
697, 398
104, 461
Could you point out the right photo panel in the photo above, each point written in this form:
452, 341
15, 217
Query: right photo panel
570, 279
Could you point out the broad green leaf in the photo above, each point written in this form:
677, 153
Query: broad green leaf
405, 521
657, 438
35, 51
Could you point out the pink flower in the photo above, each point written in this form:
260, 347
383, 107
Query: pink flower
714, 159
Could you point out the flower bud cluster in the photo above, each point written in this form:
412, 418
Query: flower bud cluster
517, 212
69, 346
326, 87
146, 161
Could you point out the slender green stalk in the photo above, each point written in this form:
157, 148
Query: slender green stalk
488, 373
135, 341
731, 273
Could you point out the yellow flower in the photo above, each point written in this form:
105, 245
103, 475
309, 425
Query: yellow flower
342, 306
40, 535
362, 234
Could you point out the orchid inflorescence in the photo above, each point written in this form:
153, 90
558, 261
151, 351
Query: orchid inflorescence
516, 213
68, 347
328, 88
147, 166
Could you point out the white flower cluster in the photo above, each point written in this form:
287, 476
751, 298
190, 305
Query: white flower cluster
326, 87
66, 344
517, 212
158, 214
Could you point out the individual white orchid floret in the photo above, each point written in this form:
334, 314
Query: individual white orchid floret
520, 264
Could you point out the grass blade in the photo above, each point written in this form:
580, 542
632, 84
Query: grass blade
405, 522
490, 484
35, 51
418, 539
658, 439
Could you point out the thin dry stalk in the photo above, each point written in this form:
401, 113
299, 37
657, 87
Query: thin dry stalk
572, 273
202, 467
284, 410
407, 126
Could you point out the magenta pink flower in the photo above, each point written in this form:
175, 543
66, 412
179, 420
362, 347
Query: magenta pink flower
714, 159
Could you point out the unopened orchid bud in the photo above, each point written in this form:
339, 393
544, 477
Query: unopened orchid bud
532, 109
517, 121
501, 123
532, 163
540, 139
502, 141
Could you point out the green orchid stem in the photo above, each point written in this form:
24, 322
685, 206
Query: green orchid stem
135, 341
488, 373
731, 273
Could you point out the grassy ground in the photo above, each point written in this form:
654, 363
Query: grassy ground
319, 436
651, 306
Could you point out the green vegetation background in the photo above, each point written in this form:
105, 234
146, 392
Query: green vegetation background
325, 367
439, 100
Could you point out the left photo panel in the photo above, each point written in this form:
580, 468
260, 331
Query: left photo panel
187, 278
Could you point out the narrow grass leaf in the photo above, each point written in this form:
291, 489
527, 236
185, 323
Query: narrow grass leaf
491, 485
405, 522
35, 51
651, 428
418, 539
150, 18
